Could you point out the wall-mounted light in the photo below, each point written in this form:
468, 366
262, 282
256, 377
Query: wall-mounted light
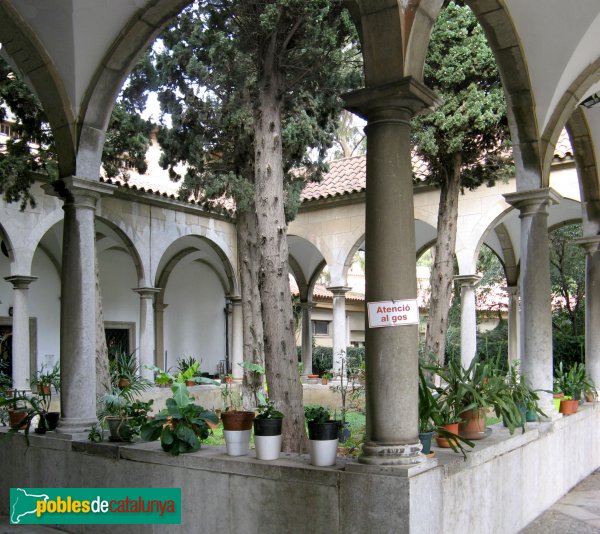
591, 101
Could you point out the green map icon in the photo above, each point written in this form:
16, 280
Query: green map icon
23, 504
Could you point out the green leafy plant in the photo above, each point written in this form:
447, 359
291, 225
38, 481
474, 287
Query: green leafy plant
316, 413
183, 364
182, 425
44, 379
268, 411
191, 373
572, 382
523, 395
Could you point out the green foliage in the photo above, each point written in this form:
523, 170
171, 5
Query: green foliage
210, 71
574, 381
182, 425
461, 69
32, 147
316, 413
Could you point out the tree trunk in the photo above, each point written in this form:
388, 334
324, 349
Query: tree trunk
102, 374
278, 323
249, 265
442, 272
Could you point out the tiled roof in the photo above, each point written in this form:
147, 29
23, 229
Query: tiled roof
348, 175
345, 176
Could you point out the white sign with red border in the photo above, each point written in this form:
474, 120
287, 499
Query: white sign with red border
392, 313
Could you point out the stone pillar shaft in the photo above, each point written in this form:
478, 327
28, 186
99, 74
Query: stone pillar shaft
513, 323
307, 337
536, 314
390, 270
592, 306
147, 332
468, 318
237, 338
78, 306
21, 367
159, 325
340, 331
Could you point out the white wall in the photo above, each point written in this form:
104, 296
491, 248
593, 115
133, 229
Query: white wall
194, 318
117, 280
44, 305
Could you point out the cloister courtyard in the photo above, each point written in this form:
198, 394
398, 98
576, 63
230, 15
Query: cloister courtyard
169, 273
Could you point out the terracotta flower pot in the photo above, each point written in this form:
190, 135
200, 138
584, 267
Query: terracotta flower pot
237, 420
324, 381
190, 383
123, 383
444, 442
473, 425
16, 419
568, 406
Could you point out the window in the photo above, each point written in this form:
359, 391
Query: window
320, 328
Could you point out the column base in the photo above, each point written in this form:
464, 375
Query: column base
375, 454
75, 427
550, 410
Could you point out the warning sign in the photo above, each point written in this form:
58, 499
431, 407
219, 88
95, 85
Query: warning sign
392, 313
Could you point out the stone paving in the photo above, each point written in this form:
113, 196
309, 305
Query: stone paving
578, 512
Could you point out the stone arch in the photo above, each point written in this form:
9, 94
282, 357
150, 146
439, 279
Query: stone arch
565, 112
171, 258
505, 43
137, 35
28, 57
130, 248
306, 262
587, 170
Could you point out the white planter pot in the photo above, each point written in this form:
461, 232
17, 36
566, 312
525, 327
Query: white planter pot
323, 452
267, 447
237, 442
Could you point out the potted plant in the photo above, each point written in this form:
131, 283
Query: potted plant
326, 377
572, 383
43, 381
322, 435
428, 413
123, 367
267, 431
183, 366
470, 391
182, 425
525, 398
237, 422
121, 410
349, 390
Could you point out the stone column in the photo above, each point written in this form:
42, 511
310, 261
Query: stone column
468, 318
307, 337
237, 338
340, 332
592, 306
159, 325
78, 306
536, 313
147, 332
21, 350
513, 323
391, 352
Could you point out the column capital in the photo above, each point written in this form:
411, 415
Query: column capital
339, 291
147, 292
20, 281
590, 244
533, 201
80, 192
307, 305
468, 280
513, 291
399, 100
235, 300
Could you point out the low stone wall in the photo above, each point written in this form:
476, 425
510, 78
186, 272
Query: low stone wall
210, 396
504, 484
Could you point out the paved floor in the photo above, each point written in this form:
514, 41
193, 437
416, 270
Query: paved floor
578, 512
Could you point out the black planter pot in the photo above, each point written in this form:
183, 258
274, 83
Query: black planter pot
267, 427
52, 420
41, 428
323, 431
